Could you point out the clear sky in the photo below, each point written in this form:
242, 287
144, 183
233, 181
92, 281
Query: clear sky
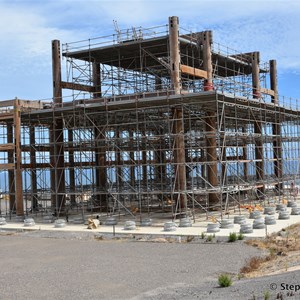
28, 26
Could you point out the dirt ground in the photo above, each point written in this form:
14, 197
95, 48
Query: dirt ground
282, 253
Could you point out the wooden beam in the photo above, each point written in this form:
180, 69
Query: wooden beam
8, 146
193, 71
7, 103
31, 104
9, 166
267, 91
78, 87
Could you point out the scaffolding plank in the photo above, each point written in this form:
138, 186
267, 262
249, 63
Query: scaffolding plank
193, 71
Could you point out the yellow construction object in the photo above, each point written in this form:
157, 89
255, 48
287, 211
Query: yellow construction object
213, 219
134, 209
259, 207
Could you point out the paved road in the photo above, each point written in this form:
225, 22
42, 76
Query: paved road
33, 267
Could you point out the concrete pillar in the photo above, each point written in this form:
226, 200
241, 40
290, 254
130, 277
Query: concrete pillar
258, 125
11, 172
207, 60
34, 199
277, 145
174, 54
18, 159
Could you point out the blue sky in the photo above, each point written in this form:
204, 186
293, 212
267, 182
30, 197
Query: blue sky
28, 26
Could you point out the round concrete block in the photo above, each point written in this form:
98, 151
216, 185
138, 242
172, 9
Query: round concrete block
283, 215
269, 210
185, 222
213, 227
111, 221
295, 211
129, 225
226, 223
270, 220
2, 221
292, 203
146, 222
280, 206
60, 223
255, 214
170, 226
239, 219
29, 222
259, 223
246, 228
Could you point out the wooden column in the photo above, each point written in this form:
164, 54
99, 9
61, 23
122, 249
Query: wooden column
178, 128
101, 177
100, 148
18, 159
56, 72
144, 158
258, 126
211, 120
211, 143
119, 179
277, 145
96, 80
180, 157
174, 54
245, 158
132, 160
207, 60
57, 151
34, 199
11, 172
71, 167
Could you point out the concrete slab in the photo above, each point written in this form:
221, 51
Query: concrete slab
198, 228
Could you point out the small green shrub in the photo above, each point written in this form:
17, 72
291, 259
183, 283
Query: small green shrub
240, 236
232, 237
209, 238
266, 295
224, 280
203, 235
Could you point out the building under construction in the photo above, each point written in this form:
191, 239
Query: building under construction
156, 120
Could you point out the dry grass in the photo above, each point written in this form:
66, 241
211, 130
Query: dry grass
286, 243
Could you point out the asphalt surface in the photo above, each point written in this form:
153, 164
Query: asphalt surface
34, 266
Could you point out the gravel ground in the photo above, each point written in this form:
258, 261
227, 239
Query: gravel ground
41, 265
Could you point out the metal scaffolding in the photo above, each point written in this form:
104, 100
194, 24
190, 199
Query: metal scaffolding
159, 120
